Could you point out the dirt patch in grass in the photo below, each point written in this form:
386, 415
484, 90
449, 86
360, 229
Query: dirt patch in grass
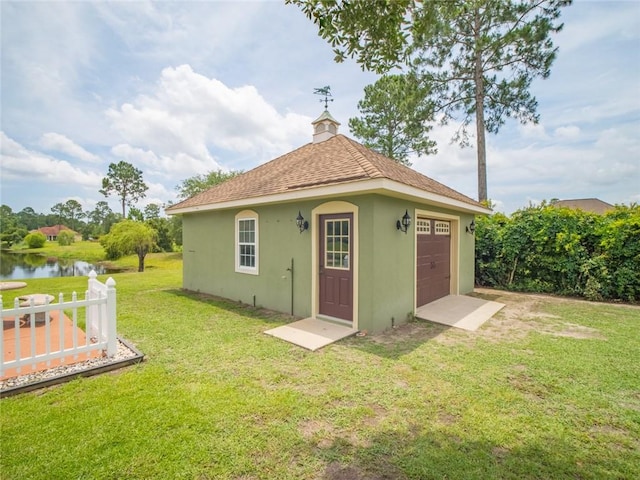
523, 314
325, 434
525, 384
337, 471
447, 419
631, 400
408, 332
405, 338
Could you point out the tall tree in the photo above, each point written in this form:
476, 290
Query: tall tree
394, 118
126, 182
164, 242
175, 229
99, 217
60, 212
135, 214
29, 218
152, 211
199, 183
73, 211
477, 57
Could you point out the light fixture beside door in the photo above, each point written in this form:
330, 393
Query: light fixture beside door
404, 224
301, 223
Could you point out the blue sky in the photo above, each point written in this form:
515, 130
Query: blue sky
181, 88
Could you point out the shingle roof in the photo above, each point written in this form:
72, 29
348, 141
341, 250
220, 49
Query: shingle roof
331, 162
53, 230
593, 205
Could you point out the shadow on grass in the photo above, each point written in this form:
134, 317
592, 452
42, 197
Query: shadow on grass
399, 341
268, 316
494, 297
393, 343
439, 454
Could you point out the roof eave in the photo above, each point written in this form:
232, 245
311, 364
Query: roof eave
382, 186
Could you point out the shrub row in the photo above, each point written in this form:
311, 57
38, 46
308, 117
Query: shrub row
548, 249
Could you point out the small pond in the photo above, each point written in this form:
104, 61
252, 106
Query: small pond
18, 266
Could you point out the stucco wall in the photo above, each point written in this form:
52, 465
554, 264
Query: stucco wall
209, 259
386, 277
389, 280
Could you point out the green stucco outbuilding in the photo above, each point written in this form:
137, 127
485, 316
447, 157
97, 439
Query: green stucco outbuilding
318, 232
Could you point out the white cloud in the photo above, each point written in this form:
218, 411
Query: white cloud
54, 46
622, 138
567, 170
60, 143
21, 163
197, 32
188, 113
179, 165
532, 130
158, 193
569, 132
591, 25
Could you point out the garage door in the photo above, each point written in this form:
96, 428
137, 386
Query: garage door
433, 260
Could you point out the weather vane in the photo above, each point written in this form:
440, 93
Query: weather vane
326, 93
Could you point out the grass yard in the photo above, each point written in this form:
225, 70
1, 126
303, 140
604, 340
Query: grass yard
550, 388
88, 251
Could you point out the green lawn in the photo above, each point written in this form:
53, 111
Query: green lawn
550, 388
88, 251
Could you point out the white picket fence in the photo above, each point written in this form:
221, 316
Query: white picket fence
99, 307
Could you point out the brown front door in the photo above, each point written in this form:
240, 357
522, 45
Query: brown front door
336, 266
433, 260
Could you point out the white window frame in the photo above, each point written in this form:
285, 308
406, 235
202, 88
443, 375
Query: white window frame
243, 216
442, 227
345, 259
423, 226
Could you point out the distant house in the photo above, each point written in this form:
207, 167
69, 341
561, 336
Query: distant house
331, 230
52, 232
592, 205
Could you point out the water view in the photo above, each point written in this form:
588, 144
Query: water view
18, 266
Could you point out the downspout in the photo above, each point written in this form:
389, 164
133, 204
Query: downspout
290, 269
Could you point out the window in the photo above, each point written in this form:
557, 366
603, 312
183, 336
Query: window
336, 249
442, 228
247, 242
423, 226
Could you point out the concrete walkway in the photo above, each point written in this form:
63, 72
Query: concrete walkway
311, 333
459, 311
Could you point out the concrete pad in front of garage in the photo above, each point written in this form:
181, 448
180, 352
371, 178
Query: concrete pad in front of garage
459, 311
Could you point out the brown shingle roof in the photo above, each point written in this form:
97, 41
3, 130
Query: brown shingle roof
334, 161
593, 205
53, 230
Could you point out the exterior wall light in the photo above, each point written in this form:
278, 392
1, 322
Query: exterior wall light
472, 227
405, 223
301, 222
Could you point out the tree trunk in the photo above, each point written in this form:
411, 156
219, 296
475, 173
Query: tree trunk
123, 215
480, 130
141, 256
142, 252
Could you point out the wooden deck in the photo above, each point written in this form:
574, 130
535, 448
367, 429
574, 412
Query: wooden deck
24, 337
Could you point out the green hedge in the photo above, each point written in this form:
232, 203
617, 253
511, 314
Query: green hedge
558, 250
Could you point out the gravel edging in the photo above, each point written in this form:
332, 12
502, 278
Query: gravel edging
126, 355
